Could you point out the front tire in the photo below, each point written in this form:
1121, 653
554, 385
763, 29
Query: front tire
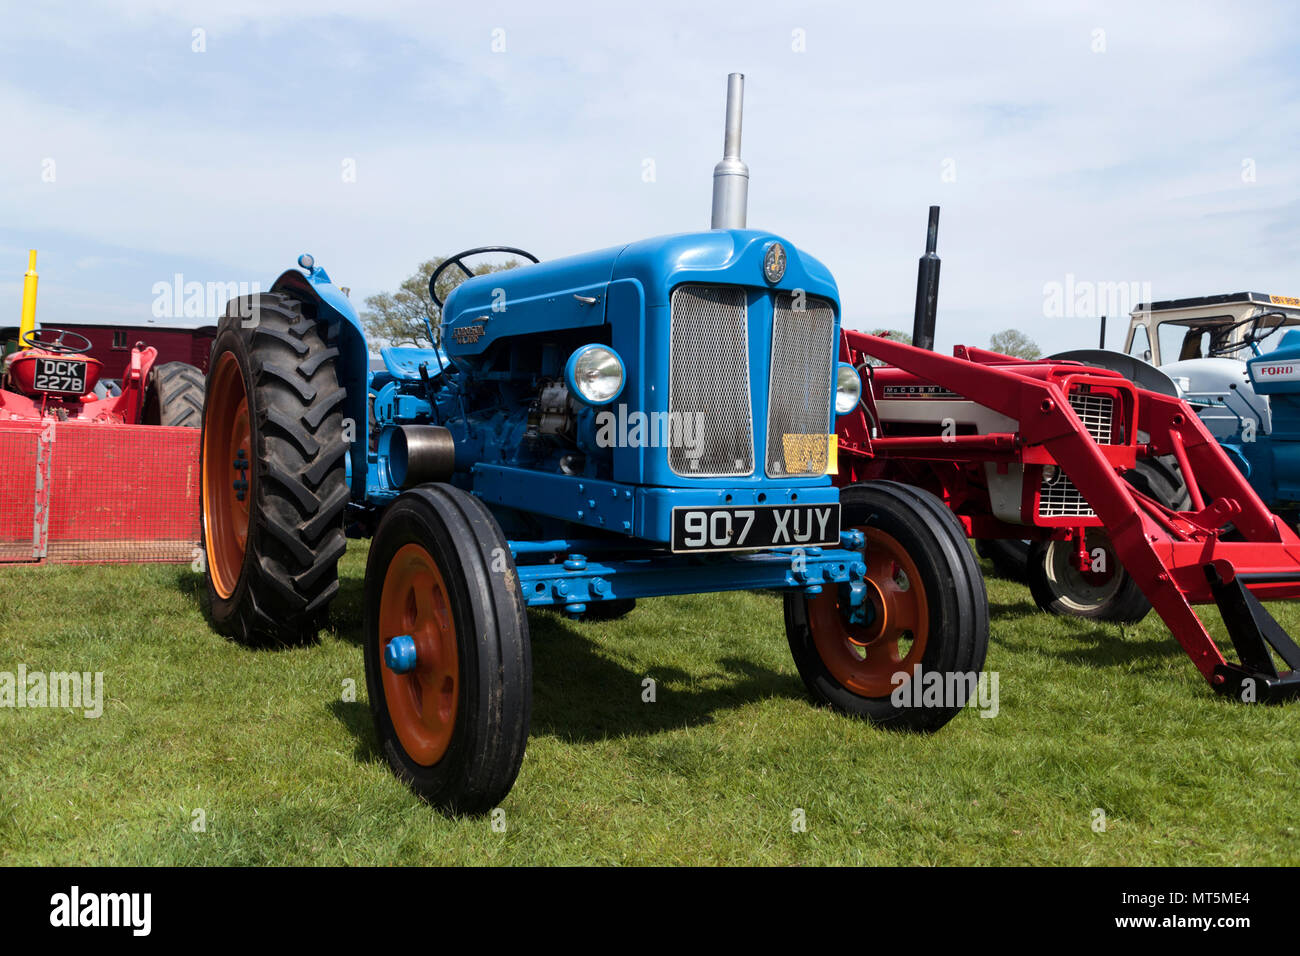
273, 474
930, 610
454, 726
1106, 594
1110, 594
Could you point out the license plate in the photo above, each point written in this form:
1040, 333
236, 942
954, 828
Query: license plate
60, 375
755, 526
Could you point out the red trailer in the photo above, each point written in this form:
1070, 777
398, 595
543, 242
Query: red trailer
112, 344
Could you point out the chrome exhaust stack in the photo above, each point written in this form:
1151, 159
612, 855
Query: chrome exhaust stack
731, 175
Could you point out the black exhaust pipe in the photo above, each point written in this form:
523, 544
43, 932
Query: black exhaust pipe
927, 287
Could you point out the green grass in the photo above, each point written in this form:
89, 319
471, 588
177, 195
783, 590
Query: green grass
286, 770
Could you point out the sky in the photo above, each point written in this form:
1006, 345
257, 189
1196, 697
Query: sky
1085, 155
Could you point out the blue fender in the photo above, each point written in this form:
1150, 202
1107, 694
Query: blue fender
343, 328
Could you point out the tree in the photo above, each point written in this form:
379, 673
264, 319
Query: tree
398, 318
894, 336
1015, 343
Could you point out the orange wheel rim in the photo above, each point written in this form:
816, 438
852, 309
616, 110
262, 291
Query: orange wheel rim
865, 659
421, 703
227, 491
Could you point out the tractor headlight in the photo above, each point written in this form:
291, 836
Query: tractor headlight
848, 388
595, 374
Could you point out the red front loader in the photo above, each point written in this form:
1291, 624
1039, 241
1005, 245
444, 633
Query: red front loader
1048, 451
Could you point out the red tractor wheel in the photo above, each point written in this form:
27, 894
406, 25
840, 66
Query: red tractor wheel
273, 472
926, 608
448, 660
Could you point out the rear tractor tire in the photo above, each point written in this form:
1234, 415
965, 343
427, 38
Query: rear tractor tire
928, 607
1008, 556
273, 472
173, 395
448, 659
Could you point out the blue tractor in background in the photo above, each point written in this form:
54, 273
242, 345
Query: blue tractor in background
651, 419
1233, 358
1236, 365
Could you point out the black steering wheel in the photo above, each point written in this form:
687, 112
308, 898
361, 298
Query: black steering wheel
1254, 337
456, 261
34, 339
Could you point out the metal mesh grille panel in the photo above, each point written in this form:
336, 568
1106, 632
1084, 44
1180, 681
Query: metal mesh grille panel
20, 504
1095, 412
798, 417
78, 492
1061, 499
709, 382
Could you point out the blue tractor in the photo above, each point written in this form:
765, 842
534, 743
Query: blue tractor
651, 419
1233, 358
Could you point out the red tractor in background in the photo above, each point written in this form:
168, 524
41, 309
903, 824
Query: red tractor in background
92, 470
52, 377
1127, 500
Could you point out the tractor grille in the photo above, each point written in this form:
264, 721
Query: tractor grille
709, 382
1061, 499
1095, 413
798, 417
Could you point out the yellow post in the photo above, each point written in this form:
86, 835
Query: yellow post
29, 298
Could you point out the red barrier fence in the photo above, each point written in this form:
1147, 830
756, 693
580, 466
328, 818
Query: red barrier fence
79, 493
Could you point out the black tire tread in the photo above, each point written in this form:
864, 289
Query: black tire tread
1007, 555
488, 747
173, 396
298, 477
1158, 478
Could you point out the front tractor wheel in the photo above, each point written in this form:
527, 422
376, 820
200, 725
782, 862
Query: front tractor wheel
273, 473
448, 660
925, 606
1102, 590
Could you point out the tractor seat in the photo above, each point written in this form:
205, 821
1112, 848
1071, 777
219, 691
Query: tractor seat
404, 363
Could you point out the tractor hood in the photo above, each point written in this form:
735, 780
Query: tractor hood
1278, 372
572, 292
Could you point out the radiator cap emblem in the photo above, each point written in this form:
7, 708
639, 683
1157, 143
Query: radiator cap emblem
774, 263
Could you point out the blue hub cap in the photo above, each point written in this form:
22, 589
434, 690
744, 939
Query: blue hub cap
399, 655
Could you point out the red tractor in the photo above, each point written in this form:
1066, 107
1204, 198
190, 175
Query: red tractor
83, 478
51, 376
1127, 500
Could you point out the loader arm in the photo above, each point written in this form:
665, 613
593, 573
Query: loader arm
1178, 559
